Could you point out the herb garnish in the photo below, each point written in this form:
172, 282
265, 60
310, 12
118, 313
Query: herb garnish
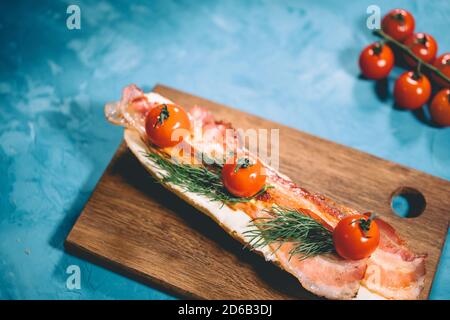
309, 237
163, 115
198, 179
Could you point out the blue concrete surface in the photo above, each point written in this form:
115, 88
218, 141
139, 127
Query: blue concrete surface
291, 61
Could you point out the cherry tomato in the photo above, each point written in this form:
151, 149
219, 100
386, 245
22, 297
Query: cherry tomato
376, 61
443, 64
398, 23
411, 91
243, 178
440, 108
356, 237
423, 46
163, 121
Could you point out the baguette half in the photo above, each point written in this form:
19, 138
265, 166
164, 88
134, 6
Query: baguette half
234, 222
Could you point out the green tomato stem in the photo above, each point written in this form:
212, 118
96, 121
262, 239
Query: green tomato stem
407, 50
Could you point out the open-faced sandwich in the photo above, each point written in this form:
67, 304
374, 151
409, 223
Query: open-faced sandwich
334, 251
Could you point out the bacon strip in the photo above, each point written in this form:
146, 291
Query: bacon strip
324, 275
392, 271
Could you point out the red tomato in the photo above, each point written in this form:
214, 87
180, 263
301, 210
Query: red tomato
440, 108
163, 121
243, 178
376, 61
356, 237
443, 64
412, 91
423, 46
398, 23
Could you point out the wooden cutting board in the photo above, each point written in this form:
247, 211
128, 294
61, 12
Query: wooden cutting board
134, 226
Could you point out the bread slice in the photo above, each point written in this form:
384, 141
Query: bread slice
234, 222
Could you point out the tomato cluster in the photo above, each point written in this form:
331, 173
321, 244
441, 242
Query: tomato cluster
413, 88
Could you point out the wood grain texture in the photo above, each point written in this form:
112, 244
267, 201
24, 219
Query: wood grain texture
136, 227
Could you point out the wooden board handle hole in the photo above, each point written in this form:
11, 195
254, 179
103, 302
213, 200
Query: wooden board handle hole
407, 202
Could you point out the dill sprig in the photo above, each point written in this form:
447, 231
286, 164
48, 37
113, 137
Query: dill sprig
309, 237
197, 179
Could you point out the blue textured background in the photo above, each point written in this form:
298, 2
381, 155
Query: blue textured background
291, 61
